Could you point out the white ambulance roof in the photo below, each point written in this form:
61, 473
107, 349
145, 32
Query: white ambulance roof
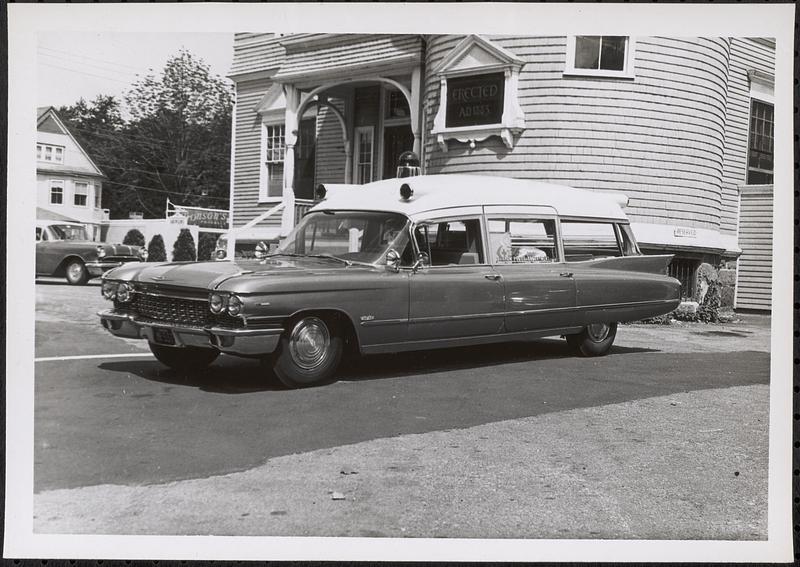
435, 192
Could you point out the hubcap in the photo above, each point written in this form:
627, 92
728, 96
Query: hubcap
598, 331
74, 271
309, 343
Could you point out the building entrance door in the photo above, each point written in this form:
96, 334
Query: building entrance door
304, 159
396, 140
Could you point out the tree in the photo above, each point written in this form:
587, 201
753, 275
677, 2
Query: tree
134, 238
184, 249
207, 242
177, 142
155, 250
98, 127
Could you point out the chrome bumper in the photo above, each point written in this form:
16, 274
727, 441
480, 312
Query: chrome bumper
243, 342
99, 268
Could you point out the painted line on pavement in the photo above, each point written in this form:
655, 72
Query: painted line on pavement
89, 356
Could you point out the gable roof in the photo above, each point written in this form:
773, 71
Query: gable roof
47, 114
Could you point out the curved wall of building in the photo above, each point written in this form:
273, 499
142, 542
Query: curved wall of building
659, 137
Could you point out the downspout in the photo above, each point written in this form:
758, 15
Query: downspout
422, 113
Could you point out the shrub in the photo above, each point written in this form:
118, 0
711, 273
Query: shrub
206, 245
184, 250
134, 238
156, 252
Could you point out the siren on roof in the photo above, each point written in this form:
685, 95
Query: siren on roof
408, 165
320, 192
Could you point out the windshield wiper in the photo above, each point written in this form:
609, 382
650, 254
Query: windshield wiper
348, 263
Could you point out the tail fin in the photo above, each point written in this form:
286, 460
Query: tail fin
655, 264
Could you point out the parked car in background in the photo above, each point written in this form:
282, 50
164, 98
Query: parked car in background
64, 250
404, 264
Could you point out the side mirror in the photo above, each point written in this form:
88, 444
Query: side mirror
393, 260
423, 261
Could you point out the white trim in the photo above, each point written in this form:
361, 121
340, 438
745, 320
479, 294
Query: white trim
356, 153
762, 87
628, 71
264, 165
512, 121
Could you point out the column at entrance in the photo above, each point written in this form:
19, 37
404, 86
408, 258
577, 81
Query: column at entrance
292, 95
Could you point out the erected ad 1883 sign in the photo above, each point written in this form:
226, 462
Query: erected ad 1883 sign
475, 100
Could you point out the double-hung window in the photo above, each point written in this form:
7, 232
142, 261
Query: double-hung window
761, 145
364, 154
273, 158
600, 55
81, 195
56, 192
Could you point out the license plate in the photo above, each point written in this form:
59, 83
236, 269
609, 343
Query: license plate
163, 336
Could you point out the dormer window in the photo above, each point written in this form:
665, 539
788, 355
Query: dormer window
478, 94
600, 56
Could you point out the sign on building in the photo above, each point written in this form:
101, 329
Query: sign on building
213, 219
475, 100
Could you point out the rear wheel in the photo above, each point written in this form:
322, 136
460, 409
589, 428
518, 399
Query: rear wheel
308, 353
595, 339
184, 358
76, 273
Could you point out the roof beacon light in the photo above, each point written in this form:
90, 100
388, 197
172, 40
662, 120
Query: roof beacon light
406, 192
320, 192
408, 165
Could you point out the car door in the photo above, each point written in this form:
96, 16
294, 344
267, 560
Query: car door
523, 249
457, 294
47, 257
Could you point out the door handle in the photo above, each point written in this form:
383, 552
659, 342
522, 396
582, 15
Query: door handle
565, 274
493, 277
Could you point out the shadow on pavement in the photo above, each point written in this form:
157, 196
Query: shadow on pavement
241, 378
232, 375
444, 360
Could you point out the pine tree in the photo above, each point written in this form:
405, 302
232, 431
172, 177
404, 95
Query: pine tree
134, 238
184, 249
155, 250
206, 245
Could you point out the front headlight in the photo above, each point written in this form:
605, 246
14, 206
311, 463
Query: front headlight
216, 303
101, 251
234, 305
110, 290
124, 292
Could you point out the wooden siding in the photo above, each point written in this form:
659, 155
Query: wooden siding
658, 138
374, 51
746, 54
330, 146
253, 52
754, 269
247, 157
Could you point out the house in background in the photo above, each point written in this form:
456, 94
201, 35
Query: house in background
682, 126
69, 183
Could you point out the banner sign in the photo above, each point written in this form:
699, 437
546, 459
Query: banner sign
204, 218
475, 100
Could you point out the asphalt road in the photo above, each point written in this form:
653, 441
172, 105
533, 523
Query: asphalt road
664, 438
133, 421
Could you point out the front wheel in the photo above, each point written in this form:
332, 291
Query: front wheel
595, 339
308, 353
184, 358
76, 273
